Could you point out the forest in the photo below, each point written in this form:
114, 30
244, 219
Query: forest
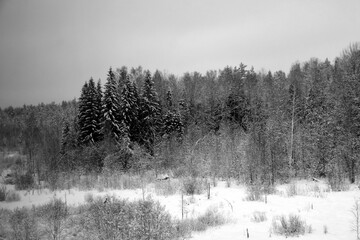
236, 123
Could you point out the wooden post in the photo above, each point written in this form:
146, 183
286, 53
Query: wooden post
182, 206
265, 198
209, 190
142, 189
247, 233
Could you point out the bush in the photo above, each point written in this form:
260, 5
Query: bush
165, 188
152, 221
210, 218
12, 196
23, 224
120, 181
338, 183
130, 181
4, 226
192, 186
24, 182
3, 193
127, 220
291, 190
259, 217
87, 182
182, 229
53, 216
291, 226
9, 179
254, 193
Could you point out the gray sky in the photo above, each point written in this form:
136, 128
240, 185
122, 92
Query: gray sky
49, 48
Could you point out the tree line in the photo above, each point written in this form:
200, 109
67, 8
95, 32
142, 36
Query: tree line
257, 127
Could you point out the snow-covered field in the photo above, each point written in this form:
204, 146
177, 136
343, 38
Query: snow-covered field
318, 206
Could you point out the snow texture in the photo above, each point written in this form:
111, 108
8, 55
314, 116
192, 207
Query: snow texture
320, 208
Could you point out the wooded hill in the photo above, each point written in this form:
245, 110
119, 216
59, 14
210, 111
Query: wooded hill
257, 127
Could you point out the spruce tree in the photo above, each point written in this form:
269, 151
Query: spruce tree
135, 126
112, 128
89, 114
128, 108
150, 116
98, 113
83, 114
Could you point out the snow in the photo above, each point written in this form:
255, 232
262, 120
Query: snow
316, 204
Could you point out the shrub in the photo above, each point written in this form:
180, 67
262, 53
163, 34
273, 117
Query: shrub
259, 216
192, 186
4, 226
120, 219
12, 196
210, 218
165, 188
254, 193
24, 182
291, 226
338, 183
152, 221
355, 211
182, 229
121, 181
87, 182
23, 224
291, 190
130, 181
53, 216
9, 179
3, 193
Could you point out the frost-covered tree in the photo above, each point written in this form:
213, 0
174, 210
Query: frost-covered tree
150, 115
98, 113
64, 137
82, 113
112, 128
172, 123
89, 114
129, 108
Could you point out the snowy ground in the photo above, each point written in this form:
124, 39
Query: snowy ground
316, 205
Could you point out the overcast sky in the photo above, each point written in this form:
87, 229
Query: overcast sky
49, 48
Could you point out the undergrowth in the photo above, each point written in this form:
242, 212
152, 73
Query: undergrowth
12, 196
290, 226
211, 218
259, 217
